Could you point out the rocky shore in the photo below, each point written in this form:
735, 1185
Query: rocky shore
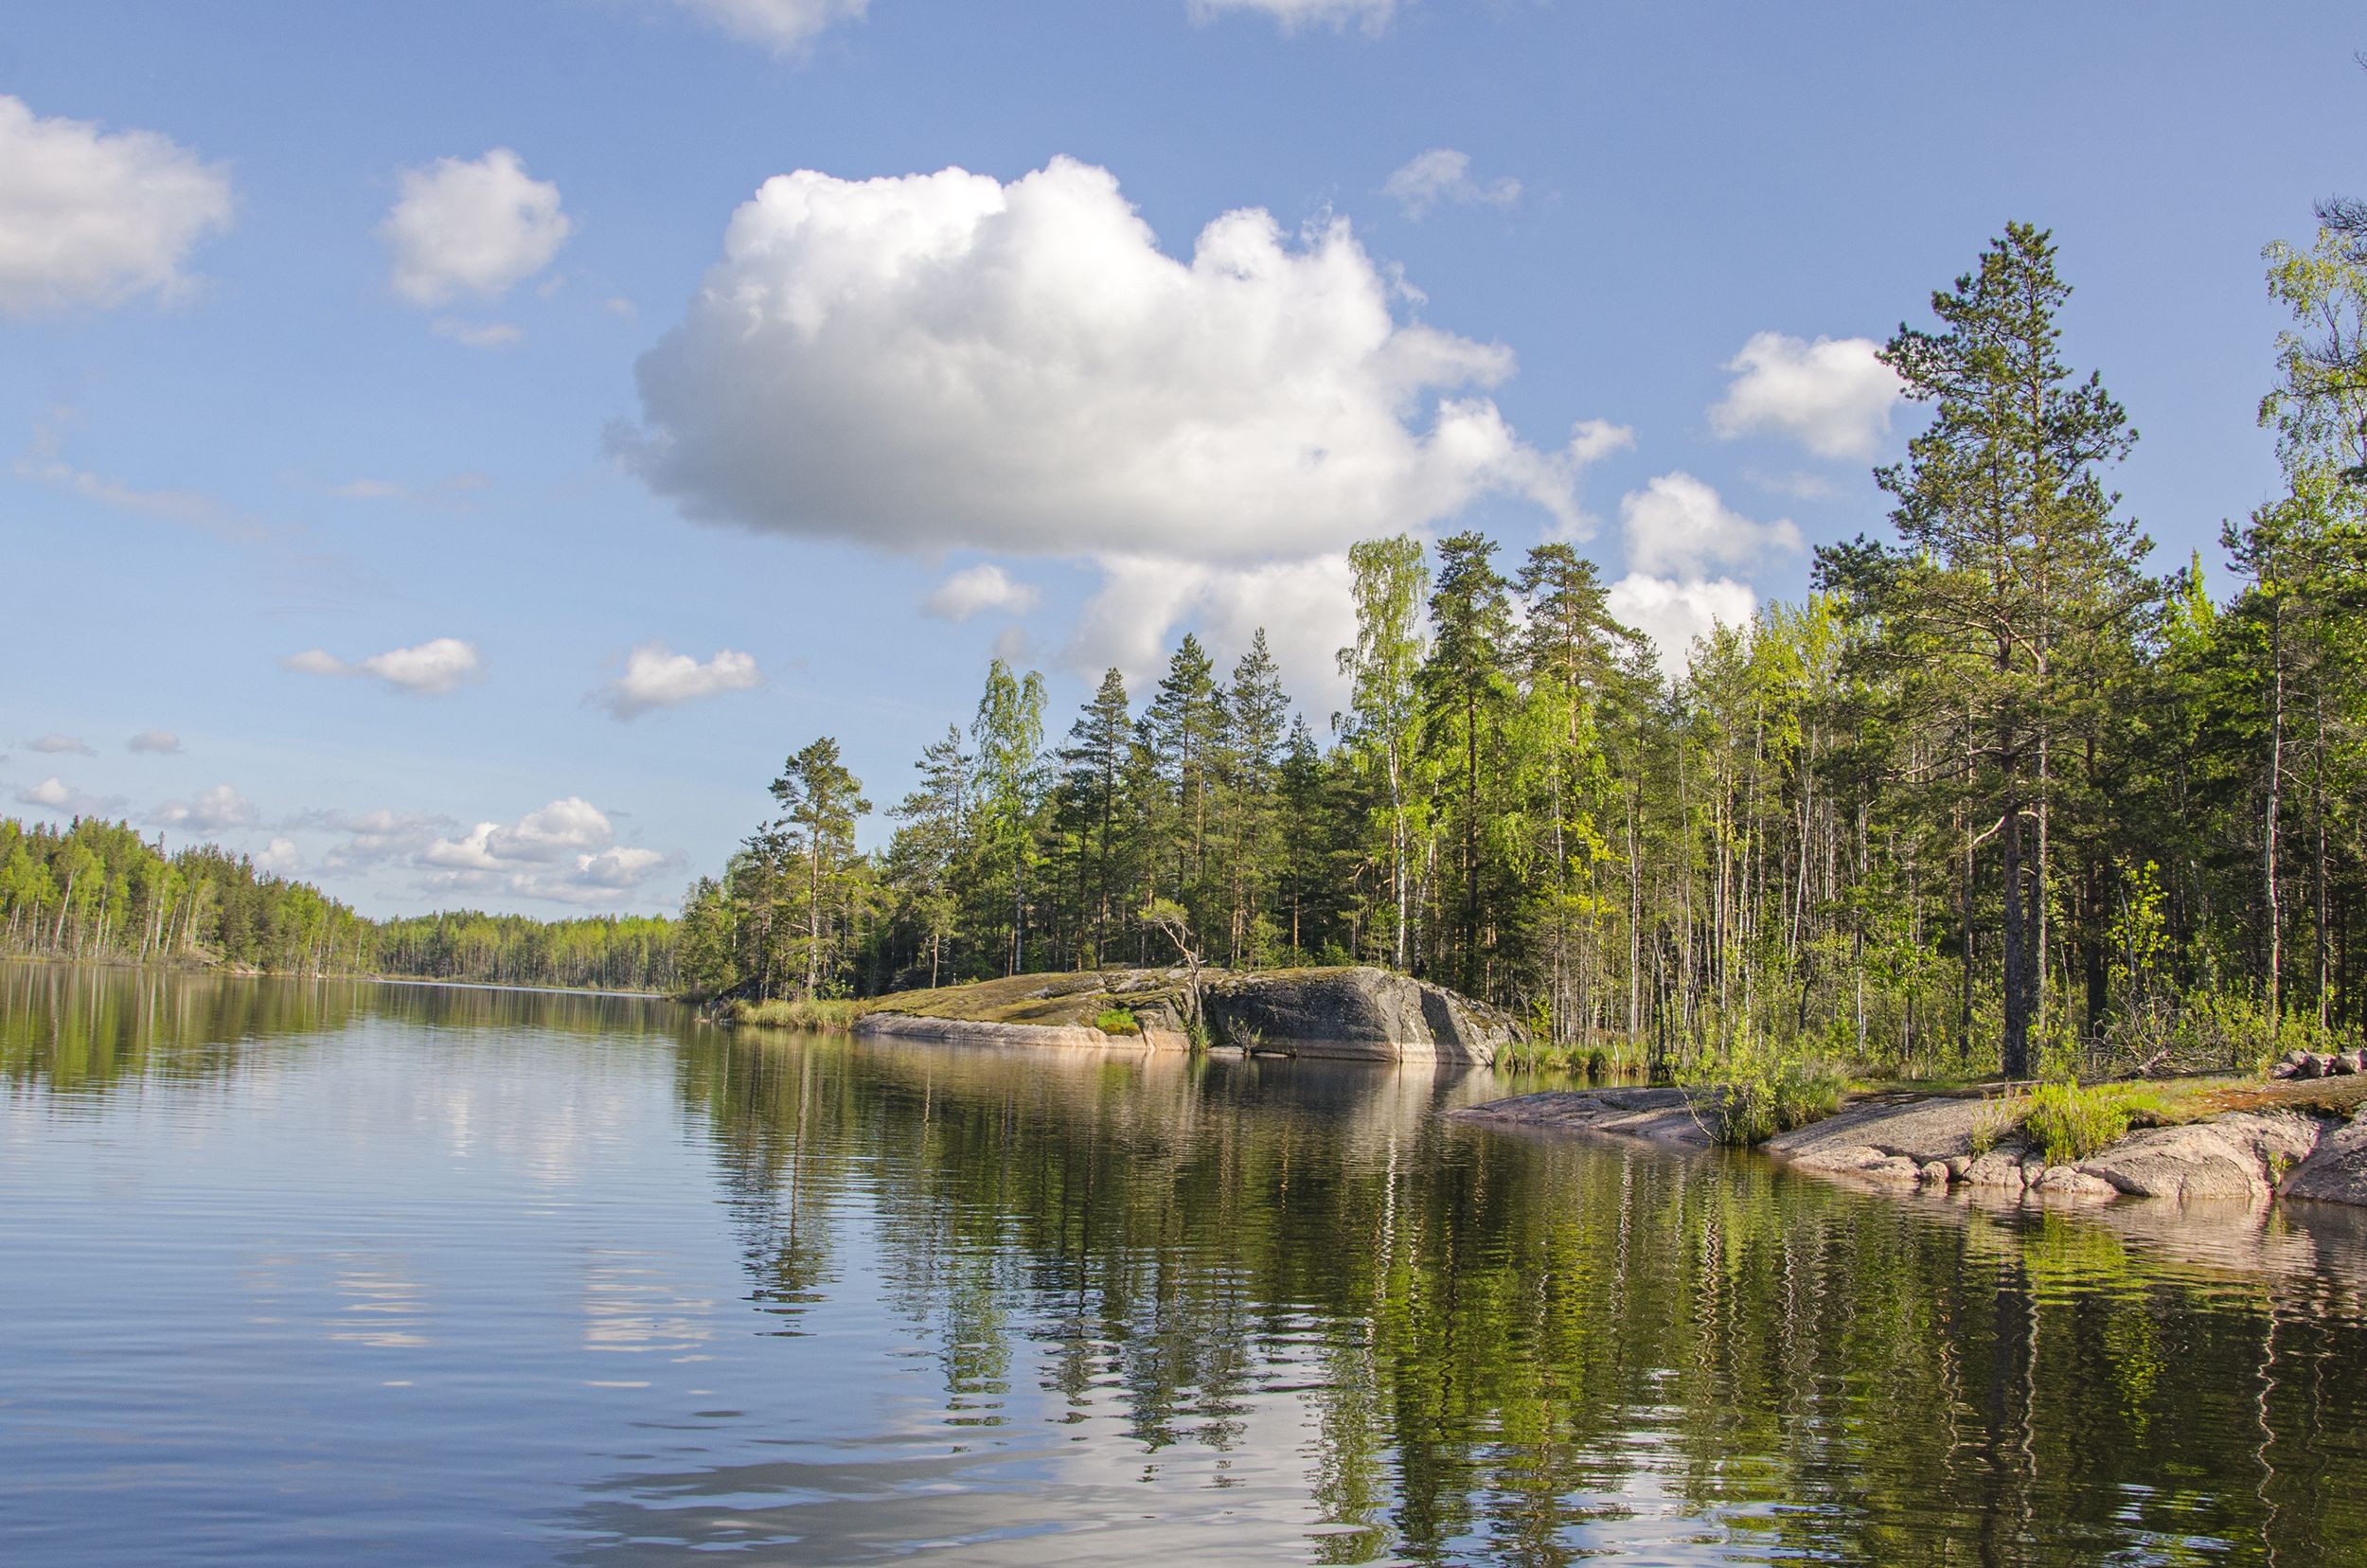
1355, 1012
2295, 1149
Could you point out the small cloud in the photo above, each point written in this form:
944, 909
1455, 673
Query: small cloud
52, 792
1833, 397
784, 27
92, 217
372, 838
471, 226
1442, 176
1373, 16
59, 745
477, 334
279, 859
439, 493
430, 669
619, 306
979, 588
656, 677
213, 810
154, 742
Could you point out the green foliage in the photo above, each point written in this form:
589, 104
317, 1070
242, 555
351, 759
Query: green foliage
1762, 1098
797, 1013
2070, 1121
1118, 1021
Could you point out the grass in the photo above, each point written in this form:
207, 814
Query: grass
1759, 1105
798, 1013
1118, 1021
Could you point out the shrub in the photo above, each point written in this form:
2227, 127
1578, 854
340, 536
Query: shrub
2072, 1121
1598, 1065
1118, 1021
1763, 1101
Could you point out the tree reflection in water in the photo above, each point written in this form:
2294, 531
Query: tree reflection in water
1509, 1346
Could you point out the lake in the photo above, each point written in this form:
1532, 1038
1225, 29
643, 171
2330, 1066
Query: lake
341, 1273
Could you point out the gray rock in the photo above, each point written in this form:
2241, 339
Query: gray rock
2068, 1181
2182, 1163
2278, 1139
2336, 1171
1995, 1169
1957, 1164
1659, 1116
1934, 1173
1360, 1012
1922, 1129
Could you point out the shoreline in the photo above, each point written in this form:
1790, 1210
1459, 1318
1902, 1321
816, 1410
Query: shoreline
2281, 1147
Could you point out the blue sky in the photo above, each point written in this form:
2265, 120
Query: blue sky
375, 380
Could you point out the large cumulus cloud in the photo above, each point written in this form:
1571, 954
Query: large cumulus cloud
943, 360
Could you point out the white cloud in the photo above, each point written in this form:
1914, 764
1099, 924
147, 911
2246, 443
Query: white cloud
564, 852
279, 859
1675, 525
976, 589
467, 226
444, 492
432, 668
214, 810
477, 334
1373, 15
1674, 613
1683, 544
944, 361
784, 27
1304, 606
656, 677
1832, 395
373, 838
59, 745
52, 792
89, 216
1443, 176
155, 742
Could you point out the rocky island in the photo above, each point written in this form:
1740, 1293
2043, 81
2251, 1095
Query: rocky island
1354, 1012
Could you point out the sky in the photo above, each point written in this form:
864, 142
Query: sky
454, 453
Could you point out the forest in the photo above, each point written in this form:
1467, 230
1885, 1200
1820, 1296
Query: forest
97, 890
2000, 793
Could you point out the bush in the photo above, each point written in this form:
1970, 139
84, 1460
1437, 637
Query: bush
1763, 1102
1598, 1065
1118, 1021
2072, 1121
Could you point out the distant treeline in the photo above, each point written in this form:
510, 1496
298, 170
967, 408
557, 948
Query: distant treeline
1993, 795
97, 890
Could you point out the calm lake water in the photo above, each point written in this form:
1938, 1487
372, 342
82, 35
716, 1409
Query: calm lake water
325, 1273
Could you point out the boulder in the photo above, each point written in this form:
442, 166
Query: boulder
2180, 1161
2069, 1182
1360, 1012
1934, 1173
2336, 1171
1996, 1168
